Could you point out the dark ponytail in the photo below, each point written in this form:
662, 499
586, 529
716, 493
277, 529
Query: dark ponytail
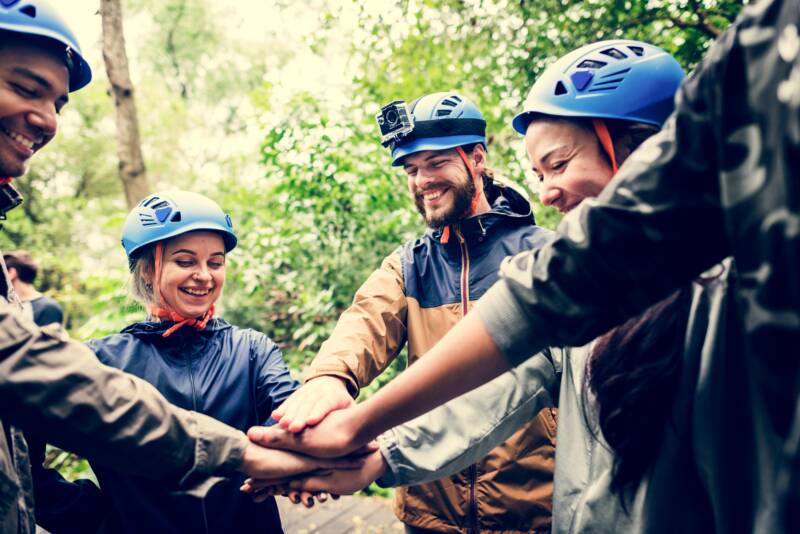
633, 371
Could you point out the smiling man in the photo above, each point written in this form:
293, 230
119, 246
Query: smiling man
422, 290
34, 88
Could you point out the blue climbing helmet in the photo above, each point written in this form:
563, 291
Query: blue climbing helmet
437, 121
38, 18
171, 213
618, 79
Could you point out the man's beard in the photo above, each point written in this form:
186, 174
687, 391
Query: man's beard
462, 199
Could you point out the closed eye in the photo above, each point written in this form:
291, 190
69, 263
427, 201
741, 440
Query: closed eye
23, 91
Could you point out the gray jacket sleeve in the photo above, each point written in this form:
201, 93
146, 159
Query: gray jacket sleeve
461, 432
56, 389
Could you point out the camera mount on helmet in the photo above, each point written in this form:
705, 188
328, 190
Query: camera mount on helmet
399, 126
395, 121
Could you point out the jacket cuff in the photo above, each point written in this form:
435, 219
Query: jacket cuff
219, 448
504, 318
388, 446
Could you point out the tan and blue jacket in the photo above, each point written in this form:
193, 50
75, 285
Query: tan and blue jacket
421, 291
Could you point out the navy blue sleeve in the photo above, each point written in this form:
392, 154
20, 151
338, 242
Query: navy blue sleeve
61, 506
274, 384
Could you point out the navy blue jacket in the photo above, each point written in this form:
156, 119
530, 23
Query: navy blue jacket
233, 374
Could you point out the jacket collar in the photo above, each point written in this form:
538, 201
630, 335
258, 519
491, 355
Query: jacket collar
507, 207
150, 330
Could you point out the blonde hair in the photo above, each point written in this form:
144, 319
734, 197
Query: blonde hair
141, 282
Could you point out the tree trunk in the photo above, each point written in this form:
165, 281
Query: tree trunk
131, 163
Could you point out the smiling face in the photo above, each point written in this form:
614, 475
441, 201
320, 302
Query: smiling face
441, 186
568, 162
33, 89
193, 272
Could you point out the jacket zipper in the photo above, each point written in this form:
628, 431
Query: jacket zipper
473, 469
194, 407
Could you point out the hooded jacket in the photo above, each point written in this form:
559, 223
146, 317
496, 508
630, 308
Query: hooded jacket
232, 374
418, 294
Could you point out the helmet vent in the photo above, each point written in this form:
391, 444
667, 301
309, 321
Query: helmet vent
591, 64
29, 10
608, 82
560, 89
443, 112
8, 3
452, 101
638, 50
613, 52
176, 217
612, 74
147, 220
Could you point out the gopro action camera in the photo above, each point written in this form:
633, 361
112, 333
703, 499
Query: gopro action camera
395, 121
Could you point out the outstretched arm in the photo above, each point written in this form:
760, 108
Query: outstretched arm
367, 337
467, 347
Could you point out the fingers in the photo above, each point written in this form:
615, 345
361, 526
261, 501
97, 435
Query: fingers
320, 409
274, 438
302, 497
312, 403
297, 420
293, 407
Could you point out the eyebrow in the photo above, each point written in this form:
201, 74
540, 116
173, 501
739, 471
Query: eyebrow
193, 253
22, 71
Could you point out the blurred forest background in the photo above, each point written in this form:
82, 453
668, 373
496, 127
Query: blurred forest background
268, 107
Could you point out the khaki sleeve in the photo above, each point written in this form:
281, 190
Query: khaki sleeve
57, 389
370, 333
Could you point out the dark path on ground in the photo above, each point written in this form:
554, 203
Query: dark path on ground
348, 515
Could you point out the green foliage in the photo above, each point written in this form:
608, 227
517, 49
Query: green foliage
328, 210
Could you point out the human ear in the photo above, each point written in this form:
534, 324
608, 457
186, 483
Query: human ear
479, 158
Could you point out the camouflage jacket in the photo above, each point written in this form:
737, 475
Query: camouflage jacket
722, 178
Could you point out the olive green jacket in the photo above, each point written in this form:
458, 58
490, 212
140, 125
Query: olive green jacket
56, 389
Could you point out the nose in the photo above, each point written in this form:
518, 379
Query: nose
548, 194
202, 275
423, 178
44, 119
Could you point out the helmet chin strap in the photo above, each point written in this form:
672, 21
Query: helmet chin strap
167, 312
603, 135
476, 198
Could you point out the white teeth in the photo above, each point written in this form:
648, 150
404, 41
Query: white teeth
20, 139
432, 195
197, 292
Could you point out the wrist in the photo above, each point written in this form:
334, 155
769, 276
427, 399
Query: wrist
360, 425
348, 386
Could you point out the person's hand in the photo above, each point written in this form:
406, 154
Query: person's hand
273, 464
337, 482
337, 435
311, 403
